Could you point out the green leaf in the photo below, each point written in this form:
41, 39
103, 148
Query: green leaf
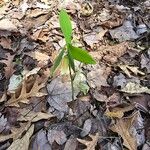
65, 24
81, 55
71, 61
57, 61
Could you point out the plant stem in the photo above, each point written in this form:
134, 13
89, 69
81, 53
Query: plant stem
72, 88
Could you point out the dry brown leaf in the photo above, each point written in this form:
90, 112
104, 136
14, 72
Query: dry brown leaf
23, 143
122, 127
40, 57
118, 112
27, 115
9, 65
90, 144
24, 95
110, 53
5, 42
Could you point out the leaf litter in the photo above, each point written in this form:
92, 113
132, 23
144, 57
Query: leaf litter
111, 105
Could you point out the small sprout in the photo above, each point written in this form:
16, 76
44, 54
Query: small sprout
70, 52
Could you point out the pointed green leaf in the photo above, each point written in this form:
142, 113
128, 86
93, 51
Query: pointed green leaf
81, 55
65, 24
71, 61
57, 61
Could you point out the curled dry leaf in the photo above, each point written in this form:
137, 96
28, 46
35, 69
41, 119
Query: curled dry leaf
24, 142
24, 95
90, 144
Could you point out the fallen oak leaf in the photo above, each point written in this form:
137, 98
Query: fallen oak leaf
24, 95
90, 144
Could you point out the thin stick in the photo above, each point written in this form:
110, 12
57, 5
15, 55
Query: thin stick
72, 88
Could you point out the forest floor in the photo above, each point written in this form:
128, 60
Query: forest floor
111, 110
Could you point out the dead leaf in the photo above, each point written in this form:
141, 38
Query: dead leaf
24, 95
71, 143
6, 24
5, 43
110, 54
122, 127
145, 61
9, 65
134, 70
118, 111
60, 94
86, 128
24, 142
3, 123
40, 57
124, 33
40, 142
16, 132
97, 76
27, 115
58, 136
94, 37
90, 144
135, 88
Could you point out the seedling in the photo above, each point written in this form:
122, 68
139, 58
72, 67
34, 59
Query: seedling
69, 51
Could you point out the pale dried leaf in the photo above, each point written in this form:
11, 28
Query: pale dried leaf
134, 70
135, 88
90, 144
23, 143
6, 24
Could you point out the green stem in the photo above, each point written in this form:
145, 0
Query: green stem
72, 88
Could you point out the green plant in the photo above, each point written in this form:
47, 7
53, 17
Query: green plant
69, 51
